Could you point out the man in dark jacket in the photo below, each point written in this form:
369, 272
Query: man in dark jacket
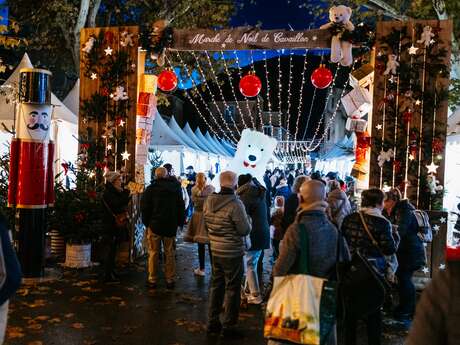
252, 194
227, 224
411, 252
162, 212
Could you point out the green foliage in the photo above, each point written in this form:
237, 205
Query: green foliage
77, 211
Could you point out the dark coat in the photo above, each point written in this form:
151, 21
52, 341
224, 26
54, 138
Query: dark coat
438, 311
162, 207
115, 202
12, 266
357, 238
411, 251
290, 211
284, 191
252, 194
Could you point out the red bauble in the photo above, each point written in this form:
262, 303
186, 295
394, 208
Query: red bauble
167, 80
321, 77
250, 85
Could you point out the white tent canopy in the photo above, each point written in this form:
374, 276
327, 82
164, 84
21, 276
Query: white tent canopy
188, 131
72, 100
176, 129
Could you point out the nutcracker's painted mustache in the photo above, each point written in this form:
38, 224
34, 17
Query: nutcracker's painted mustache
38, 125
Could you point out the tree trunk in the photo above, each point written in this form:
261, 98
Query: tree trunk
75, 34
93, 13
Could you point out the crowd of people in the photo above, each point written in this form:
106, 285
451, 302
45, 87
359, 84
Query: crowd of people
246, 216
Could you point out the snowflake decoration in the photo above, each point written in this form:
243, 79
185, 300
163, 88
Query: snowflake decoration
126, 39
120, 94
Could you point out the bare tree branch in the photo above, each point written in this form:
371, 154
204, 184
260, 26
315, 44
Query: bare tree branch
93, 13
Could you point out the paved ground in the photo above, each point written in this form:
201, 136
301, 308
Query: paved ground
78, 309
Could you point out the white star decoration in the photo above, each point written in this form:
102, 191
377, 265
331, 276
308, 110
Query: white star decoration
411, 157
432, 41
432, 168
121, 123
91, 174
442, 266
93, 76
425, 270
108, 51
442, 220
125, 156
379, 127
109, 146
314, 38
418, 102
413, 50
436, 228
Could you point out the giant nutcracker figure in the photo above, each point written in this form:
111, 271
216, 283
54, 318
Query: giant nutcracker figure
31, 179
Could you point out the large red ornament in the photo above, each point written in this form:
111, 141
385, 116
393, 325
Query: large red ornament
321, 77
167, 80
250, 85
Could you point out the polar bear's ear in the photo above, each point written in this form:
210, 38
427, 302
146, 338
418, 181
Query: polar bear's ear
245, 134
348, 9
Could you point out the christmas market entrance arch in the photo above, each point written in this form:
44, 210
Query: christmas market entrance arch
406, 128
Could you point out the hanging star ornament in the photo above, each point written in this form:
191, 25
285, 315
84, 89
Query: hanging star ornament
418, 102
436, 227
432, 168
411, 157
125, 156
93, 76
442, 220
413, 50
442, 267
108, 51
379, 127
109, 147
425, 270
121, 123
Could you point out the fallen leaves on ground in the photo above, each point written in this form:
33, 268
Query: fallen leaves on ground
35, 304
78, 325
90, 289
35, 342
191, 326
69, 315
54, 320
35, 326
79, 299
14, 332
89, 342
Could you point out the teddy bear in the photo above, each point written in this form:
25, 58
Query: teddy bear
392, 64
426, 36
253, 152
341, 50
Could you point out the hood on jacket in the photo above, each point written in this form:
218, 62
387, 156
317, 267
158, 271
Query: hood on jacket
337, 194
253, 188
166, 185
218, 201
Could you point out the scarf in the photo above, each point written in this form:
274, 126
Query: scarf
373, 211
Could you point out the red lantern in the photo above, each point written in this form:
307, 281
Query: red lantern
321, 77
167, 80
250, 85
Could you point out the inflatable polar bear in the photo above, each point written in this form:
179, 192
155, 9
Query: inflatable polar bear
253, 152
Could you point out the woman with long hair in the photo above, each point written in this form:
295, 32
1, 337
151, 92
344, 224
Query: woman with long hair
197, 231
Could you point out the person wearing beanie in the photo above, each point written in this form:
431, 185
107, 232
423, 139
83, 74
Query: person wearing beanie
323, 241
115, 202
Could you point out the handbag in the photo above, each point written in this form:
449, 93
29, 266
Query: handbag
362, 289
302, 308
121, 219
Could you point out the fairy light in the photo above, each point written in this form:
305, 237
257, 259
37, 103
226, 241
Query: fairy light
289, 94
299, 110
395, 146
259, 107
220, 89
195, 105
245, 98
268, 91
229, 76
280, 76
203, 78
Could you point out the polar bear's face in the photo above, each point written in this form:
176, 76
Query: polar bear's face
339, 14
253, 153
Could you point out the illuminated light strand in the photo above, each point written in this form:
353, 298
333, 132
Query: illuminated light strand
203, 78
299, 109
280, 76
268, 93
245, 98
259, 108
383, 126
334, 114
195, 105
289, 95
395, 146
216, 80
231, 86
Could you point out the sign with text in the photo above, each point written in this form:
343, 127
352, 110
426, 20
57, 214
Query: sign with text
249, 38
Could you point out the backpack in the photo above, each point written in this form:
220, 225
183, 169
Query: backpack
425, 232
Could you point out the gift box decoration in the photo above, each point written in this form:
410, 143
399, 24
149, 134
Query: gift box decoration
356, 125
357, 102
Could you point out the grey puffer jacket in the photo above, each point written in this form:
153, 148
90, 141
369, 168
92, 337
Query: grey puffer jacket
227, 223
252, 194
339, 206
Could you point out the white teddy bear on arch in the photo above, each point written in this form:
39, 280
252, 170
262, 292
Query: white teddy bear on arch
341, 50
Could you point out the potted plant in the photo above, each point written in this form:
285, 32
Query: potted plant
76, 215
